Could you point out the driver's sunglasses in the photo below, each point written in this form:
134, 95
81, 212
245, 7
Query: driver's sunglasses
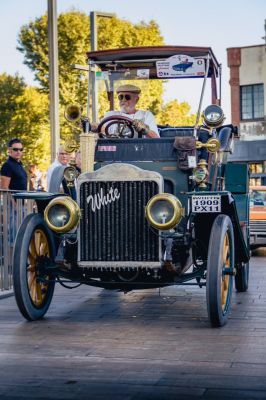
17, 148
124, 96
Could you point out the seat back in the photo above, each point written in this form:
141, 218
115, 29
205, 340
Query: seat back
175, 131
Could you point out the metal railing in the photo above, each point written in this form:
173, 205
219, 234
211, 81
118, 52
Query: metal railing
12, 214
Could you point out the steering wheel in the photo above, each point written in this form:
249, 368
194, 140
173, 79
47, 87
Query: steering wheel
124, 128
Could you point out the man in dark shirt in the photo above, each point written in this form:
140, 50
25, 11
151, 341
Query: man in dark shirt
13, 175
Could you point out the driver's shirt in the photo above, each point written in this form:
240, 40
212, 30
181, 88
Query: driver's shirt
145, 116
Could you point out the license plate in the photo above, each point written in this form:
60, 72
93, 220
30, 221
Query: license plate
206, 204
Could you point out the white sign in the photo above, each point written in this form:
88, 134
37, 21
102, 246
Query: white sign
206, 204
192, 161
181, 66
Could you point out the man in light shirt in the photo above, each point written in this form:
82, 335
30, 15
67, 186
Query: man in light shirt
143, 121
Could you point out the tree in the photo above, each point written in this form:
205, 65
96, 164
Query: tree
23, 114
73, 43
176, 114
10, 88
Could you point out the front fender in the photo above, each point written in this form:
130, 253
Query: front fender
203, 222
41, 198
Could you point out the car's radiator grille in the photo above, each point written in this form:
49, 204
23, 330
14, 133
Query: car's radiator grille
113, 227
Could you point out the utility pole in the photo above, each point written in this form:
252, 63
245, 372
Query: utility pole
53, 77
94, 47
264, 37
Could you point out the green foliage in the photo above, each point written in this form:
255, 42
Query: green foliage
23, 114
10, 89
24, 110
73, 43
116, 33
176, 114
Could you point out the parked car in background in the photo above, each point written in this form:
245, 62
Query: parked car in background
257, 216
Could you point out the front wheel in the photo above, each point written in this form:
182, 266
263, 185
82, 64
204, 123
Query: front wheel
34, 241
220, 267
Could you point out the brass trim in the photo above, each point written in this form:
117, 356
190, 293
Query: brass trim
218, 122
70, 173
73, 209
73, 113
177, 215
169, 168
202, 166
213, 145
71, 146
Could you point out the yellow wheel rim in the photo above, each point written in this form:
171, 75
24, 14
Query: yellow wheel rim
225, 278
38, 247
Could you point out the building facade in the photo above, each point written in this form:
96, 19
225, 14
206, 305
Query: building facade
248, 106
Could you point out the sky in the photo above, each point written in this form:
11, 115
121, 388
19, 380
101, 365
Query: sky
220, 25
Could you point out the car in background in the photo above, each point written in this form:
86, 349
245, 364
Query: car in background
257, 216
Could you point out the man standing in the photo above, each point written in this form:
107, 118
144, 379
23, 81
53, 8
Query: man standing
13, 175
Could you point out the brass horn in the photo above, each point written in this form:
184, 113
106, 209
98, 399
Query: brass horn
73, 113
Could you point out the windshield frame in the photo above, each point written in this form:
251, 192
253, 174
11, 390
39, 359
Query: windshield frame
132, 59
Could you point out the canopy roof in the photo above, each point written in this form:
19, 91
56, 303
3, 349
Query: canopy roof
145, 57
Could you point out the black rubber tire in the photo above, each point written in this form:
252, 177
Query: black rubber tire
242, 278
33, 298
242, 271
220, 257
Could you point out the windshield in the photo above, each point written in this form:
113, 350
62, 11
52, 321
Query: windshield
159, 81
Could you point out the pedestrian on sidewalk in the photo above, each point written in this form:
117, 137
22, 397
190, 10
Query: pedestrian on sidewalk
13, 174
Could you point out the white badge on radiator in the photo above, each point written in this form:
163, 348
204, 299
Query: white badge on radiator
206, 204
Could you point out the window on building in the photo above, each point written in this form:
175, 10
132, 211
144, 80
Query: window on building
255, 181
256, 168
252, 102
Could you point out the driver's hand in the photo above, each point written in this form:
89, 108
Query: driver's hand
140, 126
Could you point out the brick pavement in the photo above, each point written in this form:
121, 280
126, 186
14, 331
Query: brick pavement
96, 344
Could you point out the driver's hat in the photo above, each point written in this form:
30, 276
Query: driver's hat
128, 88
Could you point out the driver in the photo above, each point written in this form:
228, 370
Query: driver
143, 121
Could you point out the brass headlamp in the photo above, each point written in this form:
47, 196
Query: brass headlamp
164, 211
213, 116
62, 214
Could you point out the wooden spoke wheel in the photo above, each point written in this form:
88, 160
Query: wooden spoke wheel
33, 292
220, 266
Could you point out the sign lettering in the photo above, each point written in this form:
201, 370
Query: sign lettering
100, 199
